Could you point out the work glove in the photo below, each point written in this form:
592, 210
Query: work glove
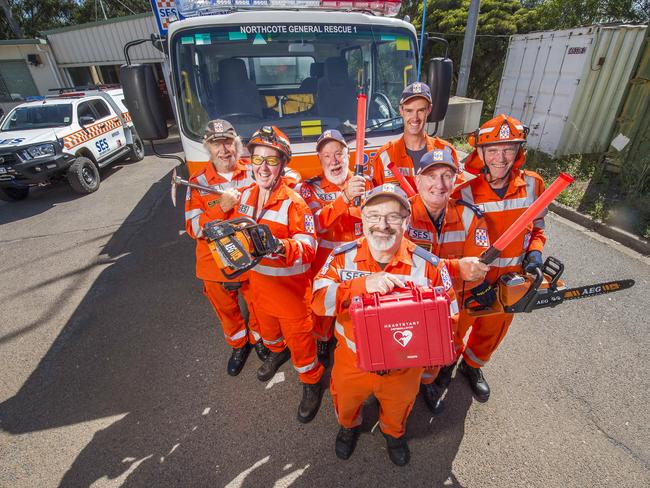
533, 261
484, 294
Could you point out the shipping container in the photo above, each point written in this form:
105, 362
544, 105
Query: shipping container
567, 85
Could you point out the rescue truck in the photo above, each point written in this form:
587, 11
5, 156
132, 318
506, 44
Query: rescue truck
295, 64
69, 136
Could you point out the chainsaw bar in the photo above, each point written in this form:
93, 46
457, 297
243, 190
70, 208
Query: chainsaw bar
552, 299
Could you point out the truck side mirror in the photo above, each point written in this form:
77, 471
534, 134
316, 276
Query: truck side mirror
440, 73
86, 120
142, 98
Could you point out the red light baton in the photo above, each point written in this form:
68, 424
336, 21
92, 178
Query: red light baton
361, 138
527, 217
403, 182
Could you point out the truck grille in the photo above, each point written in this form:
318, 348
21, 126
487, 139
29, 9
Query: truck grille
8, 158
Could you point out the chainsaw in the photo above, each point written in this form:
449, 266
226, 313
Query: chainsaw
518, 293
238, 244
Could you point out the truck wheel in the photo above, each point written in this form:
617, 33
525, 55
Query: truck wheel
13, 194
137, 149
83, 176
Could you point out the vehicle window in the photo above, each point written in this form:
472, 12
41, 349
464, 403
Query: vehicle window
101, 108
393, 73
40, 116
300, 77
354, 58
281, 71
85, 110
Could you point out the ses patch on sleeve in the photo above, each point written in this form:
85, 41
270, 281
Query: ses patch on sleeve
305, 192
309, 224
444, 276
481, 238
326, 266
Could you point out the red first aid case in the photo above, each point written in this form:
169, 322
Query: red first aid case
407, 329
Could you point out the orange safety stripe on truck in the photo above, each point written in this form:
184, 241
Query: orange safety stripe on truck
91, 132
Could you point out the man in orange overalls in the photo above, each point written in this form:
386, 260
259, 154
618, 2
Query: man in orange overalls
378, 262
502, 191
226, 173
281, 282
330, 197
406, 152
452, 230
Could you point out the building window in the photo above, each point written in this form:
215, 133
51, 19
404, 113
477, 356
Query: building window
16, 81
80, 76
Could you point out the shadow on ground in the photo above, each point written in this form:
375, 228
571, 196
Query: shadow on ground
144, 344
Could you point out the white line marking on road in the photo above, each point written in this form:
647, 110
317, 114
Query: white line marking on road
206, 411
120, 480
241, 477
287, 466
174, 447
278, 378
288, 480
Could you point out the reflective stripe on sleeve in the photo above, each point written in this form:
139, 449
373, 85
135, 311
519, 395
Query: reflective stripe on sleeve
453, 307
256, 336
193, 216
330, 299
296, 269
306, 239
309, 367
505, 262
325, 244
321, 283
195, 212
351, 345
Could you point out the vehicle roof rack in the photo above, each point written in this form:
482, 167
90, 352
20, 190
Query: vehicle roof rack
68, 89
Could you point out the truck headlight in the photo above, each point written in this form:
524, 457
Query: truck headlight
40, 151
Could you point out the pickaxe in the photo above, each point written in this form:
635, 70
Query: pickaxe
177, 180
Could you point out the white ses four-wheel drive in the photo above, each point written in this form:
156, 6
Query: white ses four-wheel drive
68, 136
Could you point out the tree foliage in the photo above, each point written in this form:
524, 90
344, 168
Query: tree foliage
499, 19
35, 16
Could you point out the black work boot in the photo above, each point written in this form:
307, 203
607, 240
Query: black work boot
323, 351
261, 350
476, 380
271, 364
346, 441
432, 395
444, 376
398, 450
310, 403
238, 359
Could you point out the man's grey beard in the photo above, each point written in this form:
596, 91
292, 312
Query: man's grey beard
381, 244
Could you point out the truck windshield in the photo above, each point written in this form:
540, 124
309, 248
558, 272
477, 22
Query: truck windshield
301, 77
38, 117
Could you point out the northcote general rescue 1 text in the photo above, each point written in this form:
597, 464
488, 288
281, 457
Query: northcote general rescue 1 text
284, 29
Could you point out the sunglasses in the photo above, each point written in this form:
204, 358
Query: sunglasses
258, 160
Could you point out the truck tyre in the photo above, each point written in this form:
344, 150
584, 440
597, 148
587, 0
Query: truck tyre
137, 149
83, 175
13, 194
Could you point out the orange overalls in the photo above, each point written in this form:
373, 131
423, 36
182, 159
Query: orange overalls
201, 208
395, 151
463, 233
344, 277
337, 222
281, 285
523, 189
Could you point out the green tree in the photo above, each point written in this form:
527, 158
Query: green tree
91, 10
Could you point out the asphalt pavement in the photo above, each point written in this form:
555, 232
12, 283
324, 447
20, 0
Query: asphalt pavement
112, 369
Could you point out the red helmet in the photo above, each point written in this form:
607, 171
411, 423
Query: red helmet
271, 136
501, 129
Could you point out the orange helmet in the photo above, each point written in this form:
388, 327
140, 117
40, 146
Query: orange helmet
500, 129
271, 136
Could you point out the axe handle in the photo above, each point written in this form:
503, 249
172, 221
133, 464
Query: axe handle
180, 181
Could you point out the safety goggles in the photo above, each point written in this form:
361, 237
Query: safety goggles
258, 160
